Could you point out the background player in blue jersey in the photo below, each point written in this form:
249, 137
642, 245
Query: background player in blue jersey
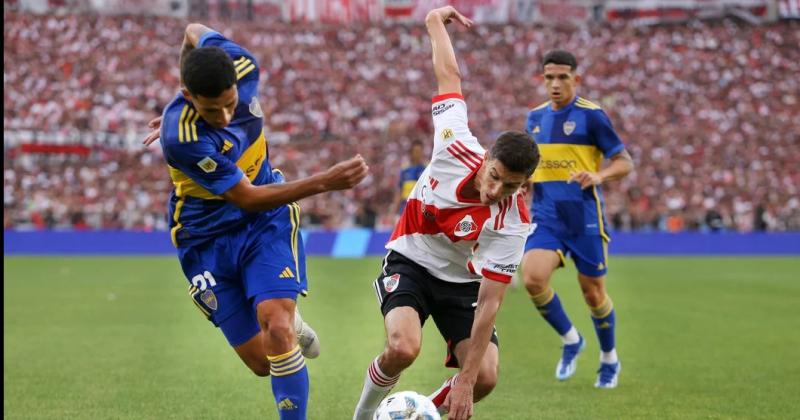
233, 219
409, 176
574, 135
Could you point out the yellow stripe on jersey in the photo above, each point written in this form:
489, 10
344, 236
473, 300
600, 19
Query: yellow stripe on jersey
559, 160
244, 71
250, 163
176, 217
541, 106
243, 66
180, 123
187, 133
193, 125
227, 145
253, 157
600, 215
584, 103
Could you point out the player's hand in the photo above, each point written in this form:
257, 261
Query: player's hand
459, 401
586, 179
155, 125
449, 13
347, 174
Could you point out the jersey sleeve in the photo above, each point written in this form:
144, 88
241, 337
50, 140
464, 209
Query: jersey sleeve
604, 135
245, 63
450, 122
501, 244
530, 122
205, 165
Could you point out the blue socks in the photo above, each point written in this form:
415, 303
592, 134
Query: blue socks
290, 384
549, 305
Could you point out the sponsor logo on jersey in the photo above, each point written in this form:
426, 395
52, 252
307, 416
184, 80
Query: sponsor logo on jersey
569, 127
255, 108
208, 165
210, 299
438, 109
447, 134
390, 283
504, 268
466, 226
558, 164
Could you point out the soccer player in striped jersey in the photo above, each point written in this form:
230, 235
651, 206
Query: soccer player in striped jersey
574, 136
233, 218
456, 247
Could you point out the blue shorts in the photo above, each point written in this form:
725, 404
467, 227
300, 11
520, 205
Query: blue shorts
231, 273
589, 252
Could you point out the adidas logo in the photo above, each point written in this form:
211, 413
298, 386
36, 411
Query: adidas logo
286, 274
286, 404
604, 326
601, 266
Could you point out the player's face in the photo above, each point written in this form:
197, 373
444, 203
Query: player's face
417, 154
560, 82
497, 182
217, 112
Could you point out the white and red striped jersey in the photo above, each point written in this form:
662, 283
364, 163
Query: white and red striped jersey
458, 239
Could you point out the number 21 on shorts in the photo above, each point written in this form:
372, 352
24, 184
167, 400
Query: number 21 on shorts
202, 281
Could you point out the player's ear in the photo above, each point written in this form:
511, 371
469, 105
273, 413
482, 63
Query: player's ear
186, 93
578, 78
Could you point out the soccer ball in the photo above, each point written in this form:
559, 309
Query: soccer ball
407, 405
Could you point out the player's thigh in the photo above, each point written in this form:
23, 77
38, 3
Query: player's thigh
404, 301
590, 253
544, 253
454, 314
272, 264
217, 293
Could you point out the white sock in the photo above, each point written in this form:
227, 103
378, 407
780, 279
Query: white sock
376, 387
571, 337
440, 394
609, 356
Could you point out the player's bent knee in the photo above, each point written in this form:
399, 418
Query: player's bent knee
402, 352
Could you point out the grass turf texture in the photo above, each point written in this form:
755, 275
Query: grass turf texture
90, 338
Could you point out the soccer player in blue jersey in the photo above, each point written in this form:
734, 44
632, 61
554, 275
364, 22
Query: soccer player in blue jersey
409, 175
233, 218
574, 136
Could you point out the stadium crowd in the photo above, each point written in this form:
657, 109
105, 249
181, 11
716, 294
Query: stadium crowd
708, 110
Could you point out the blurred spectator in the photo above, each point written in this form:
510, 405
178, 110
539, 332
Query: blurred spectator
708, 110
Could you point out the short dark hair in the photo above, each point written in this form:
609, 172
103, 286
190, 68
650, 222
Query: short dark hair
416, 143
560, 57
517, 151
208, 71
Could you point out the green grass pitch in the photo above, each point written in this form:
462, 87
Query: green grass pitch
118, 338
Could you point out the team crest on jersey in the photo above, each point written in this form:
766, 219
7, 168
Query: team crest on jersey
255, 108
390, 283
466, 226
208, 165
447, 134
569, 127
210, 299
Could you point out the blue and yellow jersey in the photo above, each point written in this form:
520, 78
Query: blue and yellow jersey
573, 139
408, 179
204, 162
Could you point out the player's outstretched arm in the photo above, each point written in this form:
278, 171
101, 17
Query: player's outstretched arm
191, 37
459, 400
342, 176
445, 66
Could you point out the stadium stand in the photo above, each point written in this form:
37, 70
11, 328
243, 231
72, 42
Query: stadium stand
707, 110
